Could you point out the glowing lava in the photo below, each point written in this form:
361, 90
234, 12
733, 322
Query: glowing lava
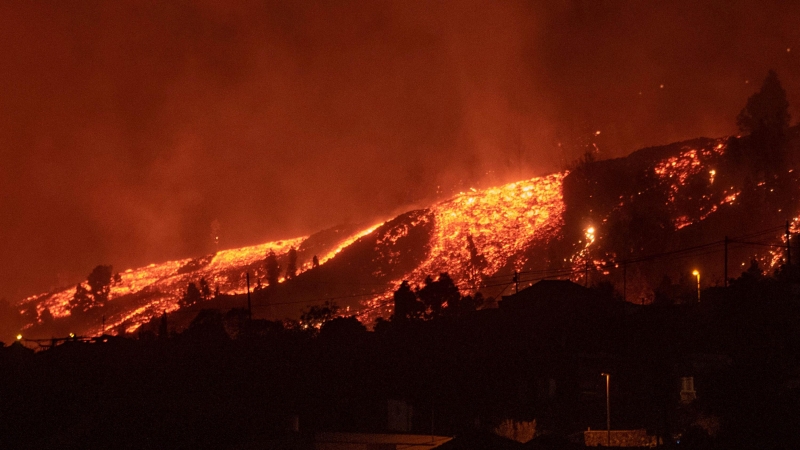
474, 236
500, 222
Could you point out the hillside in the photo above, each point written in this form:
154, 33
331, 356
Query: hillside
576, 224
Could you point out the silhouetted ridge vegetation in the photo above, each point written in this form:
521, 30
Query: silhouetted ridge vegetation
225, 380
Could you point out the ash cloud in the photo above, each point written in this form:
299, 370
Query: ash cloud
126, 128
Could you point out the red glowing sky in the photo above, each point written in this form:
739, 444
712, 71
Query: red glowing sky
127, 127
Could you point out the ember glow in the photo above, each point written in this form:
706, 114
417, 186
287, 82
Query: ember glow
678, 170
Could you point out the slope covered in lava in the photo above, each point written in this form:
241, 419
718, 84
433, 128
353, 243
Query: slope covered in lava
591, 224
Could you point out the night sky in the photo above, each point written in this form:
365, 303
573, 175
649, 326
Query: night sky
128, 127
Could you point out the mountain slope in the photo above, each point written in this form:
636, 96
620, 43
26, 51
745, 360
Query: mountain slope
575, 224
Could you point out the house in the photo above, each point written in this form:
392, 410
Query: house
375, 441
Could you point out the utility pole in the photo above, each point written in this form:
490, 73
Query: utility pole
586, 277
608, 409
249, 305
726, 262
516, 281
624, 281
788, 245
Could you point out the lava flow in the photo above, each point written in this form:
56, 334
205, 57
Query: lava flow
475, 236
151, 290
478, 232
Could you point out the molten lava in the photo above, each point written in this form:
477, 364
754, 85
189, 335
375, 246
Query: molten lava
474, 236
478, 232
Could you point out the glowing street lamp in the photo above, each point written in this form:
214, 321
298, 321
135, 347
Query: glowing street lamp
696, 273
608, 410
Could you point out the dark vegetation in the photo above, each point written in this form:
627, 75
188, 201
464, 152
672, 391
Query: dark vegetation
229, 382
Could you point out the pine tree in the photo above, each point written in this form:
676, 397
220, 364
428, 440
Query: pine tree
436, 295
205, 289
81, 300
406, 304
316, 315
291, 266
100, 284
766, 118
273, 269
162, 326
191, 296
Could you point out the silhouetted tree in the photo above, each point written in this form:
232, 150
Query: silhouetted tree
788, 273
477, 262
100, 284
236, 322
766, 119
466, 304
750, 277
273, 269
665, 293
315, 262
81, 300
205, 289
342, 329
316, 315
435, 295
767, 111
291, 266
605, 290
10, 317
162, 326
406, 304
46, 316
191, 296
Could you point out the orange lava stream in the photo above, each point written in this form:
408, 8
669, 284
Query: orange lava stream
502, 222
346, 243
167, 283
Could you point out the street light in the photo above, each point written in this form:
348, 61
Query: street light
696, 273
608, 410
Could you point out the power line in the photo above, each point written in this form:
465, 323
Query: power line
543, 274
